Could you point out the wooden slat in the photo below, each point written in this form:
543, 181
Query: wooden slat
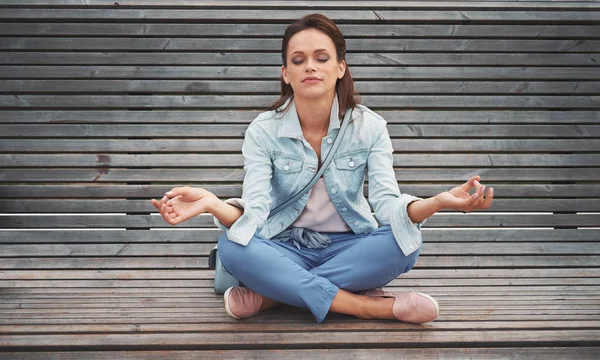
558, 31
407, 173
274, 45
211, 235
101, 191
254, 72
488, 117
236, 160
158, 146
291, 339
258, 58
198, 249
257, 101
209, 274
299, 3
144, 206
272, 87
167, 262
579, 131
156, 221
285, 15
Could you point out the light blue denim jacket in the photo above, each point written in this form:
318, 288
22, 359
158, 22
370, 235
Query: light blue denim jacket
279, 162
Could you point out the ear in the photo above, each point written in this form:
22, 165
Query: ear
284, 74
341, 69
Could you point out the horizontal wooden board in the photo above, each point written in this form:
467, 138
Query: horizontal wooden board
211, 235
274, 44
157, 145
230, 86
583, 353
209, 274
236, 160
261, 101
487, 117
316, 4
286, 15
425, 261
156, 221
41, 28
210, 131
517, 190
253, 72
117, 249
260, 58
104, 174
144, 206
291, 339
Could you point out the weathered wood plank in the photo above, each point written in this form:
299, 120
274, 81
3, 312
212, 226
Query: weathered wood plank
100, 191
168, 262
158, 146
258, 101
31, 162
285, 15
557, 31
274, 72
579, 131
209, 274
287, 340
488, 117
144, 206
199, 249
211, 235
316, 5
106, 174
42, 57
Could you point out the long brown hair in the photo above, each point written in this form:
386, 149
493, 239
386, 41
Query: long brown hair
348, 97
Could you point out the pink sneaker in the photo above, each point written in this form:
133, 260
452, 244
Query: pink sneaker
412, 307
241, 302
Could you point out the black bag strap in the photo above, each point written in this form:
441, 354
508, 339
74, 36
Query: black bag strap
326, 162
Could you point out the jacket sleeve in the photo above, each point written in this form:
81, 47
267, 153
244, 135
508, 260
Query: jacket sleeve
256, 199
389, 205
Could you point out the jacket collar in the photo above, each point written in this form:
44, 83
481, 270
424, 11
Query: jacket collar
290, 126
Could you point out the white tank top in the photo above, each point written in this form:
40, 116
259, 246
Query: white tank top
320, 214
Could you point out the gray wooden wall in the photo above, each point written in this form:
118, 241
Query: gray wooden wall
104, 107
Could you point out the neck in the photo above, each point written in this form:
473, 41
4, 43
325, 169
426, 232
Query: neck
314, 113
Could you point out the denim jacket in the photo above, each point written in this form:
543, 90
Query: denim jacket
279, 162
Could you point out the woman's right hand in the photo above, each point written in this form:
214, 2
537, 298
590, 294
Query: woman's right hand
183, 203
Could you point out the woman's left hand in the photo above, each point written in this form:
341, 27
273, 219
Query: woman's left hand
459, 198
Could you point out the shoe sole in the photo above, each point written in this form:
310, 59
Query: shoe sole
435, 303
226, 301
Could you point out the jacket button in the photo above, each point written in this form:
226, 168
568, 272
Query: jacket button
329, 141
333, 191
286, 167
344, 209
351, 164
356, 223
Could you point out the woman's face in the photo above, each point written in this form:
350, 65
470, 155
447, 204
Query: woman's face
312, 68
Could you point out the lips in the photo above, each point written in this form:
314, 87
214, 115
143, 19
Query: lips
311, 79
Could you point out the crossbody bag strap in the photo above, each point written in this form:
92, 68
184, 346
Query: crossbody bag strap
326, 162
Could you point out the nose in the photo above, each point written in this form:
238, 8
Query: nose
310, 66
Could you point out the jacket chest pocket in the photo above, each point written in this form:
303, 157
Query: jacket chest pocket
286, 171
352, 168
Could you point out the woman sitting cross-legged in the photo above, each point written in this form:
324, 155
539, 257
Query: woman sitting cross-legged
325, 251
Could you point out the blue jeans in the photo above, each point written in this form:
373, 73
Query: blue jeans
310, 278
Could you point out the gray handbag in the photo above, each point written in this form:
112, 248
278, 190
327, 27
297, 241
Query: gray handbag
223, 279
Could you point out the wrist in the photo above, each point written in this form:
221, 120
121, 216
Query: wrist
437, 203
213, 205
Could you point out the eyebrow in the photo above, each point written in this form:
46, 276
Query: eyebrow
316, 51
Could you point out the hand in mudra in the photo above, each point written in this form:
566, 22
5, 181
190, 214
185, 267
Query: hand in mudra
183, 203
459, 198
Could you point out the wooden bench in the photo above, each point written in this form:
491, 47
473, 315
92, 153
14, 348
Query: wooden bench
104, 106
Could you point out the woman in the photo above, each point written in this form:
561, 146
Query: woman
325, 252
